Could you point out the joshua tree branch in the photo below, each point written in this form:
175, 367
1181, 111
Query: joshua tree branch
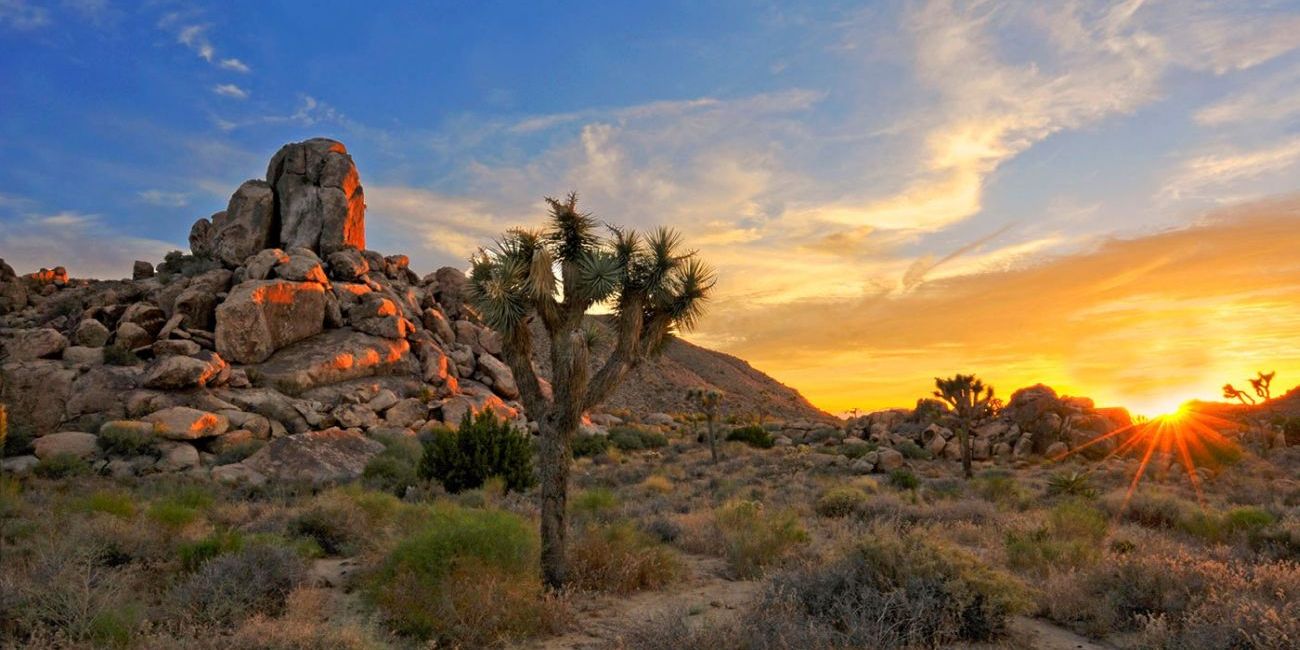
518, 352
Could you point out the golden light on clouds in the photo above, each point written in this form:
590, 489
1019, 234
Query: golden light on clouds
1145, 322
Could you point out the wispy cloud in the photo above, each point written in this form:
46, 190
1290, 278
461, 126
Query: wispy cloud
22, 16
230, 90
1209, 174
235, 65
1273, 99
196, 38
84, 242
164, 199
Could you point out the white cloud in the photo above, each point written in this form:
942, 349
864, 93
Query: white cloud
79, 241
19, 15
195, 38
235, 65
1272, 99
1208, 174
165, 199
230, 90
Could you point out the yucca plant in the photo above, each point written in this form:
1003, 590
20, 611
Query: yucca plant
708, 401
1076, 484
971, 402
555, 276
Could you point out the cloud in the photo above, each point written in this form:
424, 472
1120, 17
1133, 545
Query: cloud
195, 38
230, 90
1133, 321
1272, 99
235, 65
165, 199
19, 15
1209, 174
83, 243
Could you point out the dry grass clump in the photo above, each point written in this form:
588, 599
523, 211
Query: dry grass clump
229, 587
1070, 537
620, 558
750, 536
1182, 598
305, 625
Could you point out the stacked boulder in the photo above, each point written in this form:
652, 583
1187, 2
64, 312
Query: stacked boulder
279, 330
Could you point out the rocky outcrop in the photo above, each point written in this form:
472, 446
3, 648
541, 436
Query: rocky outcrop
318, 196
247, 226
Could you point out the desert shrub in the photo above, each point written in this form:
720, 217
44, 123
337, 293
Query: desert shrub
912, 451
67, 592
127, 442
181, 507
18, 440
239, 452
330, 528
483, 446
620, 558
1070, 538
229, 587
307, 624
110, 502
194, 554
116, 355
754, 436
589, 444
891, 591
904, 479
395, 468
1150, 508
664, 530
840, 501
1280, 540
754, 538
595, 503
1071, 484
627, 438
856, 451
467, 579
1183, 599
1000, 487
61, 466
1248, 519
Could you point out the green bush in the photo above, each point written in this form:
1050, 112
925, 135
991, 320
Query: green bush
912, 451
483, 446
840, 501
620, 558
61, 466
194, 554
1248, 519
396, 468
999, 486
754, 436
594, 503
627, 438
18, 440
127, 441
904, 479
116, 355
118, 504
589, 444
468, 579
1071, 538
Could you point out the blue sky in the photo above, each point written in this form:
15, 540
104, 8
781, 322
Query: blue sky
850, 155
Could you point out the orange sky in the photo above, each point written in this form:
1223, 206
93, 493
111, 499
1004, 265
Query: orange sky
1145, 322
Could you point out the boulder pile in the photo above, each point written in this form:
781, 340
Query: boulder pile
278, 331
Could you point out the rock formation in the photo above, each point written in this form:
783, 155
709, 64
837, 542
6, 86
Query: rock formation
278, 324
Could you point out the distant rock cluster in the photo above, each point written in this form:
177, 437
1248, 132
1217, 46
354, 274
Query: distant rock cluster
279, 326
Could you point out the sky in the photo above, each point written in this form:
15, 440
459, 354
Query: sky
1098, 196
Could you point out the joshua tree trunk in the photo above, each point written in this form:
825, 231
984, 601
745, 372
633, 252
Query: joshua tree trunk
554, 485
966, 453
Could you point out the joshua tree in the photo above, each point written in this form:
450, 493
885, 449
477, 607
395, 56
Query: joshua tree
1262, 383
971, 402
555, 275
708, 401
1231, 392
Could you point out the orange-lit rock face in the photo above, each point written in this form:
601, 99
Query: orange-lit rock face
334, 356
321, 203
262, 316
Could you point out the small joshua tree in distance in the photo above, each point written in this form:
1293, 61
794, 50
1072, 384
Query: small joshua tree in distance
708, 401
556, 275
971, 402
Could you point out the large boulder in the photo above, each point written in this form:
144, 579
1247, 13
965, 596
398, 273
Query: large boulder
503, 380
91, 333
247, 226
321, 204
332, 357
198, 302
185, 423
178, 372
31, 344
262, 316
316, 457
35, 393
75, 443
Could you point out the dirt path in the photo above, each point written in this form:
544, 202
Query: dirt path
1045, 635
706, 594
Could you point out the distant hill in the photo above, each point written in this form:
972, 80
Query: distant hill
1288, 405
660, 385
